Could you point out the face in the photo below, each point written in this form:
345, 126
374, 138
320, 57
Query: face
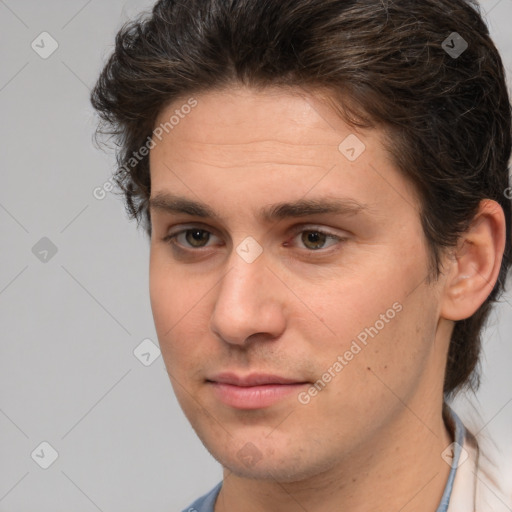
292, 307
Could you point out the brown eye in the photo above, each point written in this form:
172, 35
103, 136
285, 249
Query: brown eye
313, 239
195, 237
191, 238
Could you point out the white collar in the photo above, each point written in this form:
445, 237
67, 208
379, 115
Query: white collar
475, 486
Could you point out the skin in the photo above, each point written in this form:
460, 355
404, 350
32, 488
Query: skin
372, 439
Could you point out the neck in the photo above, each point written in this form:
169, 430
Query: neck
402, 470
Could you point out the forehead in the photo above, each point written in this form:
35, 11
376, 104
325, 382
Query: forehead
280, 142
241, 118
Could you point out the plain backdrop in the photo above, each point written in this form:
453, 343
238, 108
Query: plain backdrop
74, 302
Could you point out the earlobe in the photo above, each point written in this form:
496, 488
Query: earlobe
476, 263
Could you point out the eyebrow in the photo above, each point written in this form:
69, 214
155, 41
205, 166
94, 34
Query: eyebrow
170, 203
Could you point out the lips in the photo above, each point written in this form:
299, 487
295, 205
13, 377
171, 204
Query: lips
254, 391
255, 379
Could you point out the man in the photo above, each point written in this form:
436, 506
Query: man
324, 184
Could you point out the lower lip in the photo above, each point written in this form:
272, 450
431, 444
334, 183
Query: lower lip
253, 397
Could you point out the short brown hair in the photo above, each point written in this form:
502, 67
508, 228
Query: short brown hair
386, 63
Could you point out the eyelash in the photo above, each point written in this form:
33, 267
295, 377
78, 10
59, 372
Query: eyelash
171, 238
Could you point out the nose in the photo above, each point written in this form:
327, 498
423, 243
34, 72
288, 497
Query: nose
250, 302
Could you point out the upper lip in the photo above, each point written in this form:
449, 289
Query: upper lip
254, 379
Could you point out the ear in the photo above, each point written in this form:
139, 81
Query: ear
475, 264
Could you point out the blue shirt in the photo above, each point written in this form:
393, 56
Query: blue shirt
206, 503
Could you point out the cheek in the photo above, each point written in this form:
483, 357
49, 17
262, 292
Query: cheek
358, 303
178, 311
168, 297
163, 300
397, 352
383, 320
169, 291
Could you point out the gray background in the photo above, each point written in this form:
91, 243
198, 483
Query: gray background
70, 324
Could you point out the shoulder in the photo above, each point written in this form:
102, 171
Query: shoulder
494, 480
206, 502
480, 483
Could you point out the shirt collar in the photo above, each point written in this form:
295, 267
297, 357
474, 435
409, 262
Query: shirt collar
452, 455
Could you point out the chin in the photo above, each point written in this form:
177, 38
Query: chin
249, 462
285, 473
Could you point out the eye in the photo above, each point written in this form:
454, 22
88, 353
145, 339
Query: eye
315, 239
194, 238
